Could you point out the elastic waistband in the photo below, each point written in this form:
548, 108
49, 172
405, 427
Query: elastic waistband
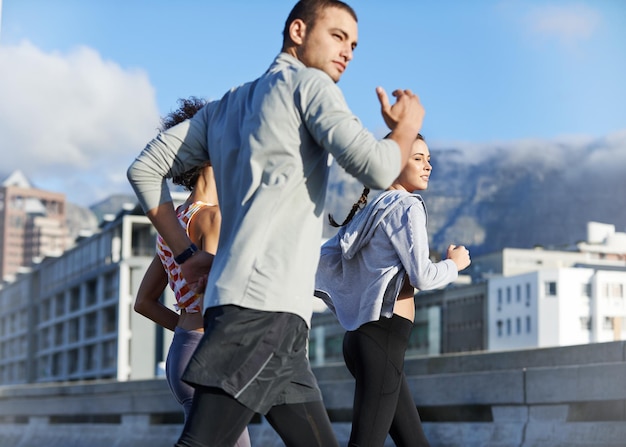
396, 325
181, 332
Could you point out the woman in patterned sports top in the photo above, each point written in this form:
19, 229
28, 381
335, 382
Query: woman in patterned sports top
201, 218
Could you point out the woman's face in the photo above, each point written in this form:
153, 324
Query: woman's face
416, 173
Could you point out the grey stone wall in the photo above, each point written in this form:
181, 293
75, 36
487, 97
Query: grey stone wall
567, 396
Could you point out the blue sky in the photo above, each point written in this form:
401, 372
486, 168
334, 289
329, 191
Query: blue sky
84, 82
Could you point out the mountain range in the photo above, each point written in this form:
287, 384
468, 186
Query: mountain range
491, 196
520, 195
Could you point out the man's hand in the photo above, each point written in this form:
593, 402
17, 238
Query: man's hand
404, 118
460, 255
407, 110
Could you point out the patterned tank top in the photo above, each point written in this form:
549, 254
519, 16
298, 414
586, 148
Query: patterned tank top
186, 298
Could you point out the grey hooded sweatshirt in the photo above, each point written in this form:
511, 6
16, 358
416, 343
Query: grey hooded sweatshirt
361, 269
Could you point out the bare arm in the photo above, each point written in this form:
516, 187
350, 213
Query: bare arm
147, 302
164, 219
205, 228
172, 152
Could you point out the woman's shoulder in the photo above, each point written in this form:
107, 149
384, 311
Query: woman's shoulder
208, 211
397, 196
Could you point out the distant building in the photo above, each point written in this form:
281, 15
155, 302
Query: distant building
72, 318
451, 320
519, 298
604, 247
604, 243
557, 307
32, 225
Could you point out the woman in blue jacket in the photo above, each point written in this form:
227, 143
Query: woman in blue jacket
367, 276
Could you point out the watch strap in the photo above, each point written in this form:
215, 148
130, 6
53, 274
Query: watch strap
188, 253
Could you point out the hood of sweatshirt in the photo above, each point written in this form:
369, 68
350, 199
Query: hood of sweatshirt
360, 229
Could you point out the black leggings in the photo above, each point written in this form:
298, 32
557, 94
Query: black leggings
217, 420
374, 354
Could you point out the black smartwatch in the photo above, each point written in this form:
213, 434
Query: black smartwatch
188, 253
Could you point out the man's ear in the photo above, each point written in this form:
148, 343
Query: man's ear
297, 31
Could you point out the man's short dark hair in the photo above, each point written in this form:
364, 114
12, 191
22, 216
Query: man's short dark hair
309, 10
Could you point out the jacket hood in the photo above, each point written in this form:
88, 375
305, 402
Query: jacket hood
361, 228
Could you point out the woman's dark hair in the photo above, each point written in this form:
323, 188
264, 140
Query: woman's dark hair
419, 136
357, 206
360, 204
187, 108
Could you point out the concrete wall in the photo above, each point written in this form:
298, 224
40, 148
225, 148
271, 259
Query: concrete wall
568, 396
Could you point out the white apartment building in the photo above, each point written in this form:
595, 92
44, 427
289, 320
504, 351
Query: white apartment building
556, 307
72, 318
604, 247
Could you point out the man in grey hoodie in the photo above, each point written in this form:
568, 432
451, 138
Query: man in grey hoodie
269, 143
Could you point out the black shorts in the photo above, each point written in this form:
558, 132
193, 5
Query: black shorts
259, 358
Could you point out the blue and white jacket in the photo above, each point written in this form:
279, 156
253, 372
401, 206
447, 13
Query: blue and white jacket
362, 268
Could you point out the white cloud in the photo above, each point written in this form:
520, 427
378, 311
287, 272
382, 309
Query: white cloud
573, 154
569, 24
72, 122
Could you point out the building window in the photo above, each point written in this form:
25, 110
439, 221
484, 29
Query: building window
616, 290
72, 361
586, 289
57, 364
518, 293
550, 288
44, 339
518, 325
109, 354
142, 239
91, 293
608, 323
508, 326
58, 334
74, 299
91, 325
89, 358
508, 295
110, 286
333, 346
43, 367
528, 325
74, 330
499, 299
528, 295
109, 321
585, 323
45, 310
499, 326
59, 305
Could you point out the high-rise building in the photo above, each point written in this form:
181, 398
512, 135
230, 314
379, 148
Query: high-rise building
32, 225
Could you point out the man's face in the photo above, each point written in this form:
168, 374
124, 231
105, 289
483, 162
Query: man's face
329, 44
